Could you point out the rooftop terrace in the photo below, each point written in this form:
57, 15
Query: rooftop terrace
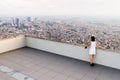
41, 65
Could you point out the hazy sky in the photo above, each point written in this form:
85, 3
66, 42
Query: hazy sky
59, 7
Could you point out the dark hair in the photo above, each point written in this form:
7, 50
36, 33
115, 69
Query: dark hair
92, 38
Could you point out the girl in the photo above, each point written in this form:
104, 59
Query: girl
92, 50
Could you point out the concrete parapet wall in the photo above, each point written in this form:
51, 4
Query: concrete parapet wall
106, 58
12, 43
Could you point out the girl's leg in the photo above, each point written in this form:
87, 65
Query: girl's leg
91, 59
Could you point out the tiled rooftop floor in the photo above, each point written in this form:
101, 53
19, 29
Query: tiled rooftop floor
42, 65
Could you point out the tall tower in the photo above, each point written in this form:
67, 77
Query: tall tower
29, 19
17, 22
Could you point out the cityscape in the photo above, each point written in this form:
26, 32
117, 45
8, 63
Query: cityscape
71, 30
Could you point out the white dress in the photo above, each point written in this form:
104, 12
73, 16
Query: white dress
92, 50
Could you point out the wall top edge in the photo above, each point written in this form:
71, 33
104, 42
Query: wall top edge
13, 37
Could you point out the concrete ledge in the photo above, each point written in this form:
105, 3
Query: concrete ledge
12, 43
105, 58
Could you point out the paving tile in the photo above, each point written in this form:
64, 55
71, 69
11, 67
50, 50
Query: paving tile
72, 78
4, 76
60, 77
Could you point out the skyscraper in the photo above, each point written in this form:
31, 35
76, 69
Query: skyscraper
17, 22
29, 19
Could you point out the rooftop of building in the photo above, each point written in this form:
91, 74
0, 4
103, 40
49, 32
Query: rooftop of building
41, 65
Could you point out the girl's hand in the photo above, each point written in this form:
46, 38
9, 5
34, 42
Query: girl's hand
85, 47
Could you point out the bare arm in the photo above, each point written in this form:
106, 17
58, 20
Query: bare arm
98, 46
87, 45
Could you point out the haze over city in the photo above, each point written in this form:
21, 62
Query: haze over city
59, 7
